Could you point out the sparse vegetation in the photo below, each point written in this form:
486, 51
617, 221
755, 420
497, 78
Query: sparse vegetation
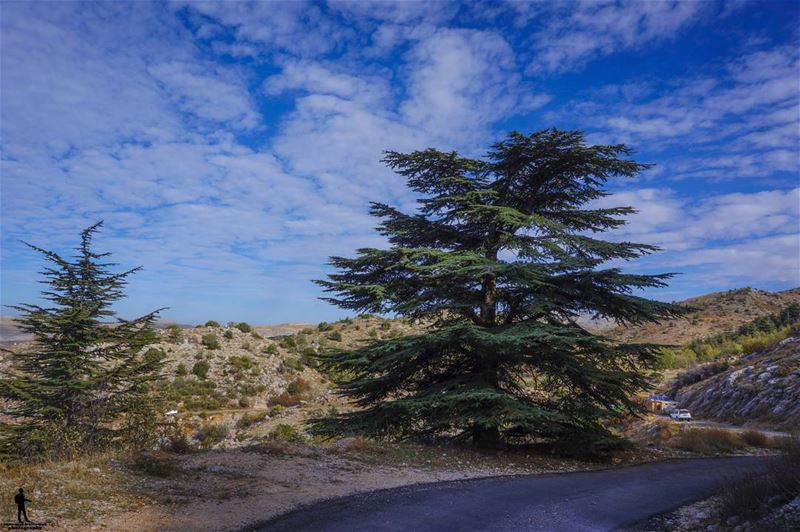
201, 369
754, 336
287, 433
211, 435
709, 441
249, 420
755, 495
244, 327
210, 341
212, 323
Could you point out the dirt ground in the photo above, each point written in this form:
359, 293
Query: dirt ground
228, 489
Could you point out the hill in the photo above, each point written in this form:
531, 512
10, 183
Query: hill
713, 314
762, 388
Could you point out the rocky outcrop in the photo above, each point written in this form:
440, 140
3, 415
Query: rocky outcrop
762, 388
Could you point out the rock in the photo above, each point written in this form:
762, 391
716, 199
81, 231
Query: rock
712, 528
701, 515
733, 520
794, 504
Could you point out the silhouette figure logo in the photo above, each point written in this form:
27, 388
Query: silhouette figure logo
20, 499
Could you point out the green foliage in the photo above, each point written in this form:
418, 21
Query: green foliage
154, 356
248, 420
195, 394
754, 336
324, 326
212, 434
181, 369
385, 326
271, 349
174, 333
287, 342
211, 341
241, 363
212, 323
293, 363
201, 369
336, 336
228, 335
81, 376
287, 433
244, 327
501, 258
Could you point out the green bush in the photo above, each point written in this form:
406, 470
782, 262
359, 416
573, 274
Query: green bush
211, 341
271, 349
210, 435
324, 326
244, 327
212, 323
174, 333
336, 336
228, 335
249, 420
386, 325
287, 342
287, 433
201, 369
241, 363
181, 370
293, 363
154, 356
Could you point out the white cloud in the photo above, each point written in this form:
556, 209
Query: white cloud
459, 81
208, 92
580, 31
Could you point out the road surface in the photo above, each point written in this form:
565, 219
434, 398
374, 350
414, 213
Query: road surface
593, 500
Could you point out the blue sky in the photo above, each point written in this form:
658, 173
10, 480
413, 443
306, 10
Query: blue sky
232, 147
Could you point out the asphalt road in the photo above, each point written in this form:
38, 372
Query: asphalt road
594, 500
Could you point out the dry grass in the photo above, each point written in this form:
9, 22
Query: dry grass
755, 495
83, 489
709, 441
755, 438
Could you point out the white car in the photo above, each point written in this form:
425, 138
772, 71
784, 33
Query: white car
681, 414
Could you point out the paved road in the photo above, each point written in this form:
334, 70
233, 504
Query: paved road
594, 500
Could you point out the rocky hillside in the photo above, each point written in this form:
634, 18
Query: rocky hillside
714, 313
762, 388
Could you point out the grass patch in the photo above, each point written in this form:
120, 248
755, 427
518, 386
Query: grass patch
755, 495
709, 441
211, 435
154, 464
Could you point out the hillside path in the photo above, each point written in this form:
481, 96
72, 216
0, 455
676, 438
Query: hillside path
594, 500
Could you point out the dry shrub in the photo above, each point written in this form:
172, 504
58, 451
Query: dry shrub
755, 438
709, 441
755, 494
360, 444
154, 463
285, 399
271, 447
